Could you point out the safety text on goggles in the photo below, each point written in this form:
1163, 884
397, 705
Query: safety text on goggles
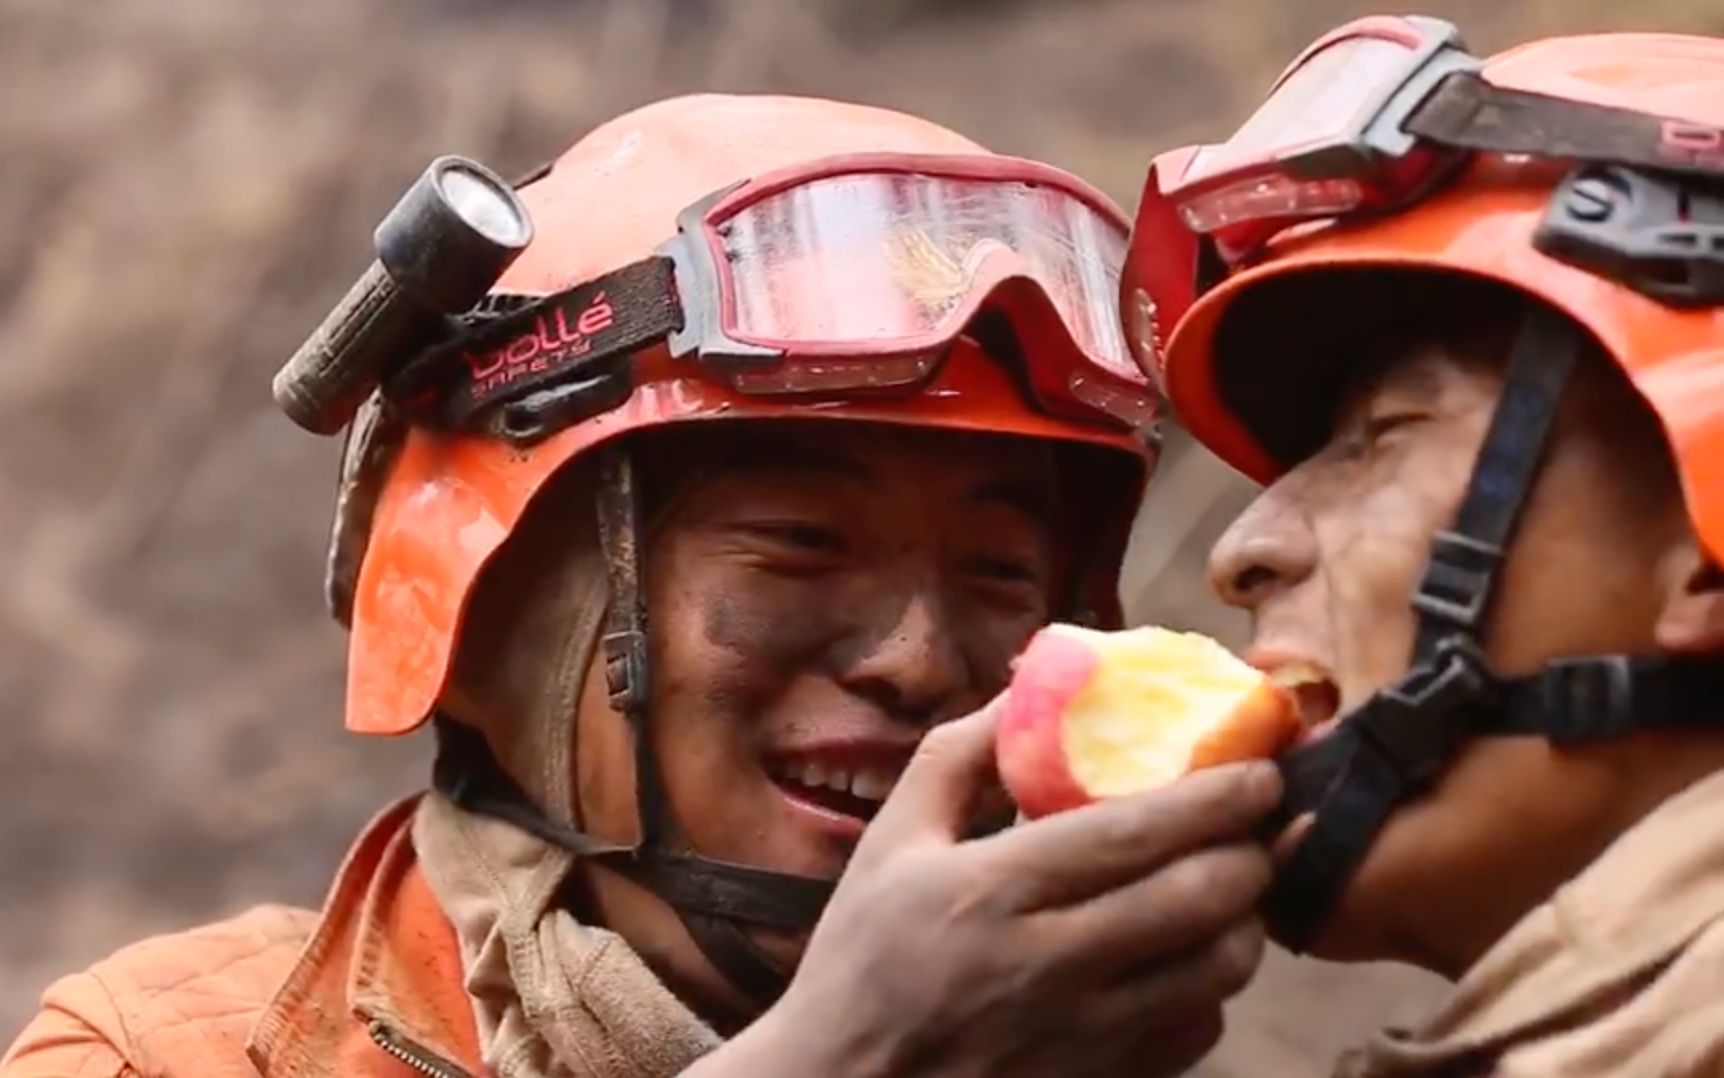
1370, 118
851, 275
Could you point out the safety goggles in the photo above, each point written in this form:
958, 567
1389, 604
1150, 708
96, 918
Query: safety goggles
850, 275
1369, 119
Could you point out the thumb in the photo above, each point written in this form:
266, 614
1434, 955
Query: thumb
937, 794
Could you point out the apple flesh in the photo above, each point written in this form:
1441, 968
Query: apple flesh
1092, 714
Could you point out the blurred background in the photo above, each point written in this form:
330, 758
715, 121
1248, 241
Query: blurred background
187, 185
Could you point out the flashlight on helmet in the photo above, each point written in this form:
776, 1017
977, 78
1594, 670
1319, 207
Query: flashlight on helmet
439, 251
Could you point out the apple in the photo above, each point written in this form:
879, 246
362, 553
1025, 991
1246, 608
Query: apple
1093, 714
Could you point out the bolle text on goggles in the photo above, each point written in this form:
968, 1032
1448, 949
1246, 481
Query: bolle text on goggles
849, 275
1378, 114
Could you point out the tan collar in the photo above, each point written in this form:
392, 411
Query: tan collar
383, 964
1644, 900
550, 996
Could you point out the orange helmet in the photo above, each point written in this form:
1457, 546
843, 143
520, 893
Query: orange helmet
1483, 224
1583, 173
449, 497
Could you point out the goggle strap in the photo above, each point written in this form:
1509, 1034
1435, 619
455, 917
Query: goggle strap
585, 330
1466, 112
1455, 591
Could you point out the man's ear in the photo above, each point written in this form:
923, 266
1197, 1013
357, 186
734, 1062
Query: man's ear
1693, 616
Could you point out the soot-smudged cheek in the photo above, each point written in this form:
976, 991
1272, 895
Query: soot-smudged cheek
770, 633
776, 631
978, 637
990, 640
867, 621
1374, 529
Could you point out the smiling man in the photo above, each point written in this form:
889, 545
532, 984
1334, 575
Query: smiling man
686, 592
1487, 402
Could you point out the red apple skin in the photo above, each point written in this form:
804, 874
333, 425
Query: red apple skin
1029, 747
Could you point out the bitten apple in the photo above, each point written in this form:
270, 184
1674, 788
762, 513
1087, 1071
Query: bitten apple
1093, 714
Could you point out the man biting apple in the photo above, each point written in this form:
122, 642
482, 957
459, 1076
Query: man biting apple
1465, 320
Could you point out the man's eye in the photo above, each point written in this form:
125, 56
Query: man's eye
808, 537
1005, 570
1357, 439
1379, 425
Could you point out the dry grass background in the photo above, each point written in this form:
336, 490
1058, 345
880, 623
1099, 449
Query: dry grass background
186, 185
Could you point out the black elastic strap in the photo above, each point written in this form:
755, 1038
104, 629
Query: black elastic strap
469, 775
1467, 112
1388, 749
1601, 696
1400, 740
1308, 773
1456, 588
1355, 803
744, 965
583, 333
757, 896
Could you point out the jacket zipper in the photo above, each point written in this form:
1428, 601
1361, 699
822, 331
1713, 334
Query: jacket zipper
411, 1054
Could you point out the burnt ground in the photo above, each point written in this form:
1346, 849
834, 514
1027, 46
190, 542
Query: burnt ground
186, 185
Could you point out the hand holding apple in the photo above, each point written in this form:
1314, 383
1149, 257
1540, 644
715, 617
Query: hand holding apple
1092, 943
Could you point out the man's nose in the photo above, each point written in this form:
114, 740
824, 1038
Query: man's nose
909, 663
1270, 548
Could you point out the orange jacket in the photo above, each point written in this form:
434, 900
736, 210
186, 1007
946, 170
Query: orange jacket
373, 987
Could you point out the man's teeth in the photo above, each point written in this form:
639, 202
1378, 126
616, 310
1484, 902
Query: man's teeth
1293, 675
868, 783
872, 785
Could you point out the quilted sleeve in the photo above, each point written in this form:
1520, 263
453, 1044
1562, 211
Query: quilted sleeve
77, 1034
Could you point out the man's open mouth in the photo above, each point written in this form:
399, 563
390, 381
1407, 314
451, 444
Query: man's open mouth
1316, 695
852, 789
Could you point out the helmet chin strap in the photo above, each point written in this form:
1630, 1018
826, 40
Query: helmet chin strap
714, 899
704, 893
1397, 742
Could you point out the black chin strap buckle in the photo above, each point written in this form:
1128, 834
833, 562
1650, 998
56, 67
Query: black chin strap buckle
625, 670
1395, 744
1412, 727
1417, 722
1457, 581
1598, 696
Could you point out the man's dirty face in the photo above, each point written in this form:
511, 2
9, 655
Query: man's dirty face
821, 595
1325, 560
